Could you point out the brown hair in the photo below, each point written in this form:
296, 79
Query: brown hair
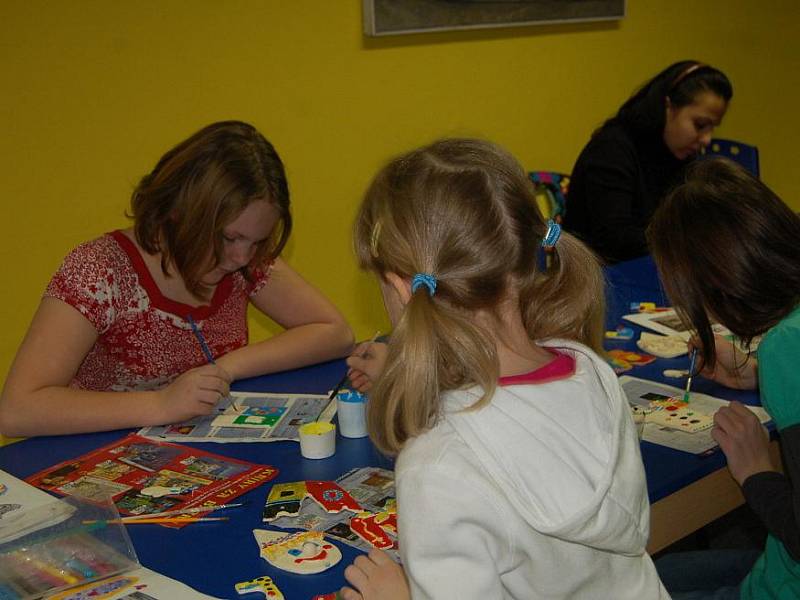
198, 188
464, 211
727, 248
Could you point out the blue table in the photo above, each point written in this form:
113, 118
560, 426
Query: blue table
212, 557
686, 491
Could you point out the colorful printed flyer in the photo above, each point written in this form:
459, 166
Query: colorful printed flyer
129, 470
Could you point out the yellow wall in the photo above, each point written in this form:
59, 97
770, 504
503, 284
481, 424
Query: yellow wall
94, 91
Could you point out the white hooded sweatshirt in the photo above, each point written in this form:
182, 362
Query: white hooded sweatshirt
539, 494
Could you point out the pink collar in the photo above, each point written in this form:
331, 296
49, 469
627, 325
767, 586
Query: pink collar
561, 367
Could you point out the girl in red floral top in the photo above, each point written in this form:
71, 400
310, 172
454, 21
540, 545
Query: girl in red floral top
111, 345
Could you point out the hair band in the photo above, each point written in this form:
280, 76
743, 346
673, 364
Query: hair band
426, 279
552, 234
373, 242
684, 74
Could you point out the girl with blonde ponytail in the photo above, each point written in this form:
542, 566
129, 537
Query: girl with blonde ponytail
518, 470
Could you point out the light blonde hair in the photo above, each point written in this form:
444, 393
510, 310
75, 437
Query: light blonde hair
464, 211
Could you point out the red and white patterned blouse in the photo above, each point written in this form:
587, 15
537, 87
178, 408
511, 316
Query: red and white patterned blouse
145, 340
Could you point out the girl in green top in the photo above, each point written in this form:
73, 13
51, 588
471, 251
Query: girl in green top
728, 250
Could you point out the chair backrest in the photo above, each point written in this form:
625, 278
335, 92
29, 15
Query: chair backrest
551, 193
744, 154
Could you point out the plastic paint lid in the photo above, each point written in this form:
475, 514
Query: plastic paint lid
351, 396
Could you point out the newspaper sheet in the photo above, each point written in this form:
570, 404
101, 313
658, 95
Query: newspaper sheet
250, 417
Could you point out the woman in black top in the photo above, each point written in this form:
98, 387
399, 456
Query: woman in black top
632, 160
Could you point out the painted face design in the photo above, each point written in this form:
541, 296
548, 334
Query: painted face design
304, 553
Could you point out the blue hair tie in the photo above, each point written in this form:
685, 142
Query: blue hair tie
426, 279
552, 234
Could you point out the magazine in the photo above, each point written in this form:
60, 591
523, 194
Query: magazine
142, 476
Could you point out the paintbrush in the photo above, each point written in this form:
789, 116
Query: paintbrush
201, 340
343, 380
691, 372
185, 511
206, 350
129, 521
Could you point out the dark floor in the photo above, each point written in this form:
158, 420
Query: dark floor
738, 529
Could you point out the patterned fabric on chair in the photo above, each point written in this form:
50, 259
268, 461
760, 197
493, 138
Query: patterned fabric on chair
744, 154
551, 193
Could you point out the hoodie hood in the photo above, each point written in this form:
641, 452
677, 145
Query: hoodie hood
569, 461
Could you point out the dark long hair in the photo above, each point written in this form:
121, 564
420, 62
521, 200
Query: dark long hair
200, 186
727, 248
644, 112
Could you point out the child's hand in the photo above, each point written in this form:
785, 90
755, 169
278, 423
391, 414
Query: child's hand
366, 364
196, 392
733, 368
743, 439
376, 577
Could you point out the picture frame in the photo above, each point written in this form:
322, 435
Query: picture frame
393, 17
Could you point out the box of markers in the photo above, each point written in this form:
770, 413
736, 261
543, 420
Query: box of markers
55, 549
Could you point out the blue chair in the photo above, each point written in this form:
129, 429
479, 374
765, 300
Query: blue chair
551, 193
744, 154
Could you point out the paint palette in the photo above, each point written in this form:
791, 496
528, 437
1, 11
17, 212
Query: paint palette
675, 414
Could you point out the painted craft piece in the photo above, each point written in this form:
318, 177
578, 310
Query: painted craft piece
372, 528
619, 366
387, 521
675, 373
304, 552
284, 499
620, 333
331, 596
663, 346
669, 403
157, 491
331, 497
648, 307
263, 584
633, 358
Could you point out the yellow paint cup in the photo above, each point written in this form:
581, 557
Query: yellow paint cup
317, 439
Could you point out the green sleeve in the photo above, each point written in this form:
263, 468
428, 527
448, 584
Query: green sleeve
779, 373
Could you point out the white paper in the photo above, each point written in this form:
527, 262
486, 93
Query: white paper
25, 509
139, 584
665, 321
695, 443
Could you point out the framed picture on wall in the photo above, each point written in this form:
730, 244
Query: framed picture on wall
391, 17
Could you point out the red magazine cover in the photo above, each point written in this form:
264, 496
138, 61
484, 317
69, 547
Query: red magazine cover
143, 476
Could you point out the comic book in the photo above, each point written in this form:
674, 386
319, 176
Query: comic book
143, 476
